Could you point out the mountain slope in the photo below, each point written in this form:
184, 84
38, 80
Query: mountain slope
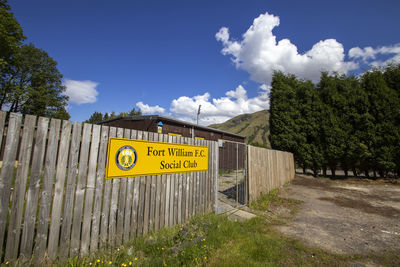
254, 126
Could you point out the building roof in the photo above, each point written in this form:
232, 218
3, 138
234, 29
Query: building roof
163, 118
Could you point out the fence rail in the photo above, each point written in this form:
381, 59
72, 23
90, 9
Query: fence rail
267, 170
55, 200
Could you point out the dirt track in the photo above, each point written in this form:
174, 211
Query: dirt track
346, 217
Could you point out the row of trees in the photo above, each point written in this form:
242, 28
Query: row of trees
342, 122
30, 82
97, 117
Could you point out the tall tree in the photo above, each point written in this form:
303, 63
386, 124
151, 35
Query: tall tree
332, 132
384, 108
29, 80
310, 107
35, 85
284, 128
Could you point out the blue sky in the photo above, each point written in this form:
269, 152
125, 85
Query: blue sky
167, 57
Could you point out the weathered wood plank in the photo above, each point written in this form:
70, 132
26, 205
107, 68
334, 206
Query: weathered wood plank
131, 134
163, 179
47, 190
158, 195
135, 206
65, 238
90, 190
172, 193
3, 116
59, 189
105, 213
14, 226
136, 199
216, 169
80, 190
100, 181
191, 185
112, 234
6, 174
146, 220
153, 195
142, 192
176, 190
121, 202
34, 187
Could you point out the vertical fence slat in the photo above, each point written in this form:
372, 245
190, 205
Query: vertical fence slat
80, 190
142, 194
121, 201
146, 216
65, 238
90, 188
34, 186
153, 180
59, 189
158, 195
105, 213
163, 179
100, 175
135, 204
3, 116
6, 175
21, 178
112, 234
176, 188
47, 188
129, 197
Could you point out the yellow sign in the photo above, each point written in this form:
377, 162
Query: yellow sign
129, 157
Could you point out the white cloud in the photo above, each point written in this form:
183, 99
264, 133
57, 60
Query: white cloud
218, 110
369, 55
146, 109
260, 54
81, 92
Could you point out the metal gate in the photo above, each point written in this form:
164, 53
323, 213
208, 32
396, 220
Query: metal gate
232, 178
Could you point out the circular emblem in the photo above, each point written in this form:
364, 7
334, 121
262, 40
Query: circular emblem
126, 158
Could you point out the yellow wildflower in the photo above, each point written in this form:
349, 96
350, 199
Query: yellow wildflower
130, 263
7, 262
136, 259
98, 260
110, 262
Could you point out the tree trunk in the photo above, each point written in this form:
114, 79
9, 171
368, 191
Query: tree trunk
324, 171
366, 173
346, 173
354, 172
304, 169
333, 170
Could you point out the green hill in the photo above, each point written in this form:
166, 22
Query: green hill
254, 126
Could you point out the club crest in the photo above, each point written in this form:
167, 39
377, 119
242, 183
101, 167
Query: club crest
125, 158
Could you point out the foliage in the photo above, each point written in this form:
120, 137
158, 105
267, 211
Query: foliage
30, 82
342, 122
98, 117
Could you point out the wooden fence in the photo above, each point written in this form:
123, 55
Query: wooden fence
267, 170
55, 200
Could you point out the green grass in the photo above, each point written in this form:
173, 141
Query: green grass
214, 240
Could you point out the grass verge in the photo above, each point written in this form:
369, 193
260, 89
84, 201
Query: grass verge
214, 240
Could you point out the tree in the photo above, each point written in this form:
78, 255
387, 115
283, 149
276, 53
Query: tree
95, 118
384, 108
34, 85
310, 107
11, 36
284, 127
30, 82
